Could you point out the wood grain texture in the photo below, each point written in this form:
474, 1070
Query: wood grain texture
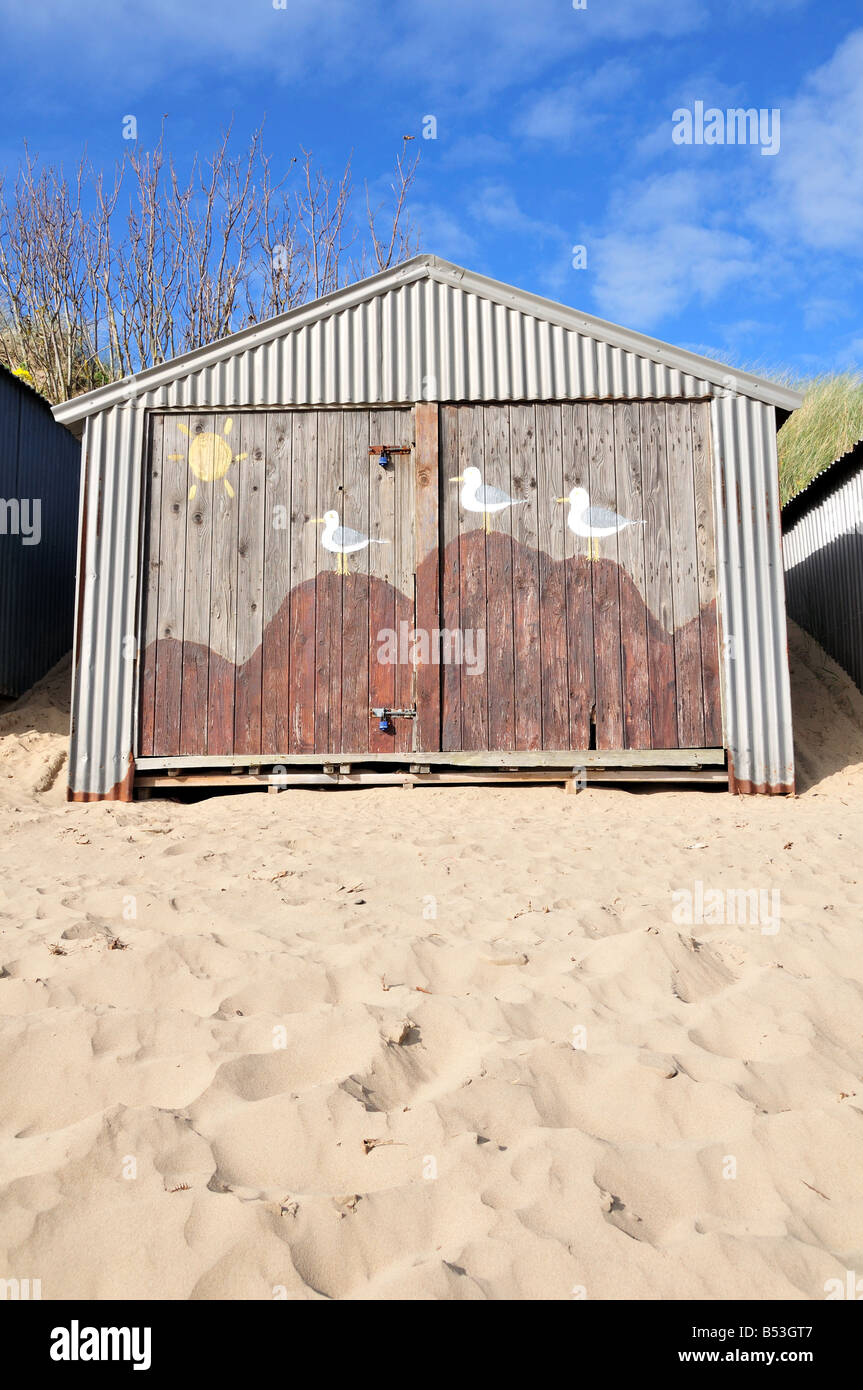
251, 568
450, 579
276, 636
329, 587
551, 526
473, 595
578, 582
382, 559
404, 576
657, 572
684, 577
150, 591
172, 574
606, 586
633, 614
707, 592
305, 556
223, 602
196, 596
253, 644
526, 638
426, 547
499, 583
355, 601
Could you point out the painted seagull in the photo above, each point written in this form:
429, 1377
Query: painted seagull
476, 497
593, 522
341, 540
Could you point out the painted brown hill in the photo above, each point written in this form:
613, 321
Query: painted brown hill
574, 659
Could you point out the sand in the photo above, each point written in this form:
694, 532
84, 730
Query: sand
448, 1043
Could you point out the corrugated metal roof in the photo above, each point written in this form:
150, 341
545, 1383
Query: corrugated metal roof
426, 329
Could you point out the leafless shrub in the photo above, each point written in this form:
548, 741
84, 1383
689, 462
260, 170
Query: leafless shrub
103, 275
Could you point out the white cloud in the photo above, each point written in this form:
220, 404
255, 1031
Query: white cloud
495, 207
817, 190
470, 150
445, 234
575, 107
663, 250
465, 53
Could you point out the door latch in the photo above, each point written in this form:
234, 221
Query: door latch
384, 715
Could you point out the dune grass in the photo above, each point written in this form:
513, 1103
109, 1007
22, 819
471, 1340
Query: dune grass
828, 424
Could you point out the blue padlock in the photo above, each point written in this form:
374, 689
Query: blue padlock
383, 460
383, 725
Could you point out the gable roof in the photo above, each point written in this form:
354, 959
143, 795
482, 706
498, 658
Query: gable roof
431, 268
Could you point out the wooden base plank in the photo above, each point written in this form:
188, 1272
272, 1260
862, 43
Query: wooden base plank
542, 759
147, 783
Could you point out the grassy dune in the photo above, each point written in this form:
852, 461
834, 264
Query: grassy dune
828, 424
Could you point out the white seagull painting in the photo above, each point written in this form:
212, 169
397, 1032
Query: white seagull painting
593, 522
342, 541
477, 497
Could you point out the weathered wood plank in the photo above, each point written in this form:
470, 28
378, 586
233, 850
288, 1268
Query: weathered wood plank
684, 576
251, 562
382, 610
706, 549
606, 587
657, 572
527, 649
150, 596
306, 554
472, 570
499, 580
579, 582
329, 586
355, 602
626, 757
633, 613
223, 597
404, 575
172, 572
451, 671
276, 639
427, 537
196, 610
552, 519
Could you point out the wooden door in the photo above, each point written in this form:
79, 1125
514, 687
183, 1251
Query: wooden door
606, 641
265, 629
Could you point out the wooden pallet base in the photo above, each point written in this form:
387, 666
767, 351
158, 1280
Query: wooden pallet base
572, 780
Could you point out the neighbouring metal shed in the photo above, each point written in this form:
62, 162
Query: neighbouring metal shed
822, 528
219, 626
39, 485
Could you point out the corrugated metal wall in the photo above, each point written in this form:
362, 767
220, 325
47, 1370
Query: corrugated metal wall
824, 573
757, 709
39, 460
433, 341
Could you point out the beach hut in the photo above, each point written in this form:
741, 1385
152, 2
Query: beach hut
430, 522
822, 529
39, 483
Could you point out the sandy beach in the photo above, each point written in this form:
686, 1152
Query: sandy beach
445, 1043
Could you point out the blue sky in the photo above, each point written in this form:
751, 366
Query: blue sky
554, 129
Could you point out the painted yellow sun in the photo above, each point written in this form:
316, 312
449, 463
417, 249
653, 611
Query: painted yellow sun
210, 456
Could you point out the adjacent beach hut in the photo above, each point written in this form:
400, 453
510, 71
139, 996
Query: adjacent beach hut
823, 548
431, 521
39, 482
